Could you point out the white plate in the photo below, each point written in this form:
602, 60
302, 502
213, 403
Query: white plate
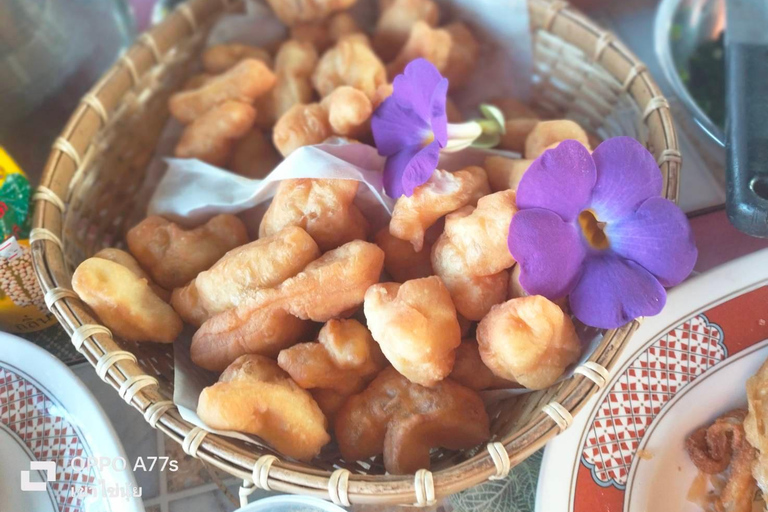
49, 420
682, 369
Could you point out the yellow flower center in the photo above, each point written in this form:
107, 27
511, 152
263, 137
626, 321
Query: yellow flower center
593, 230
428, 139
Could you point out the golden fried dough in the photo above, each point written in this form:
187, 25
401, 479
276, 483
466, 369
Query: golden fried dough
125, 259
221, 57
322, 35
265, 263
125, 302
516, 132
196, 81
470, 371
349, 111
433, 44
351, 62
473, 296
416, 326
246, 81
383, 92
395, 22
173, 256
546, 134
211, 137
505, 173
292, 12
254, 156
404, 421
329, 402
255, 396
323, 207
462, 58
480, 234
301, 125
401, 261
444, 193
327, 288
344, 360
756, 425
529, 340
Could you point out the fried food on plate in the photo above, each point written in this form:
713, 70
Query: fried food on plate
125, 302
221, 57
516, 131
292, 12
529, 340
351, 61
404, 421
473, 296
349, 111
462, 58
264, 263
756, 426
173, 256
470, 371
246, 81
255, 396
724, 446
329, 401
129, 262
323, 207
324, 34
395, 22
547, 134
512, 108
344, 359
444, 193
401, 261
327, 288
212, 136
416, 326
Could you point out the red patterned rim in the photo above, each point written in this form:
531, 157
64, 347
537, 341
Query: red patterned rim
31, 414
654, 375
711, 324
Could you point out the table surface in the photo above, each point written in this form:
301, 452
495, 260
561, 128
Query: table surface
194, 488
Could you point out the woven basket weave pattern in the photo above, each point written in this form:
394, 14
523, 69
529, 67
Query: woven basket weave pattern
96, 185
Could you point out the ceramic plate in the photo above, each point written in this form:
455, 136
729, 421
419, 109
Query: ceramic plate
682, 369
55, 440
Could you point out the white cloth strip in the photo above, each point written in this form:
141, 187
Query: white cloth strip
68, 149
559, 414
108, 360
424, 487
45, 194
54, 295
338, 487
500, 459
86, 331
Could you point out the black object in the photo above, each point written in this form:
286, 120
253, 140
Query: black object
746, 127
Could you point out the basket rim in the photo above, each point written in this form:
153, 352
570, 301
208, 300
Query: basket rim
69, 155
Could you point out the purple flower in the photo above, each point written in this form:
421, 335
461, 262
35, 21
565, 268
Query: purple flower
411, 127
595, 227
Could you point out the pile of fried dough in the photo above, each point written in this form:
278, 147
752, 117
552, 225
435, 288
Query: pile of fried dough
321, 325
735, 448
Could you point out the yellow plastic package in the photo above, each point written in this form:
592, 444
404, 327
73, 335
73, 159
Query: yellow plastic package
22, 308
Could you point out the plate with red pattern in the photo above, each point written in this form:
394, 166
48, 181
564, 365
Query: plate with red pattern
624, 452
59, 451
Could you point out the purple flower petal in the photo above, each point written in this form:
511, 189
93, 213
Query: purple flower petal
549, 251
410, 168
613, 291
395, 128
627, 175
414, 88
560, 180
439, 117
658, 237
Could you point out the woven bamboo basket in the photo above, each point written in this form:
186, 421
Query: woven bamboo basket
95, 187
